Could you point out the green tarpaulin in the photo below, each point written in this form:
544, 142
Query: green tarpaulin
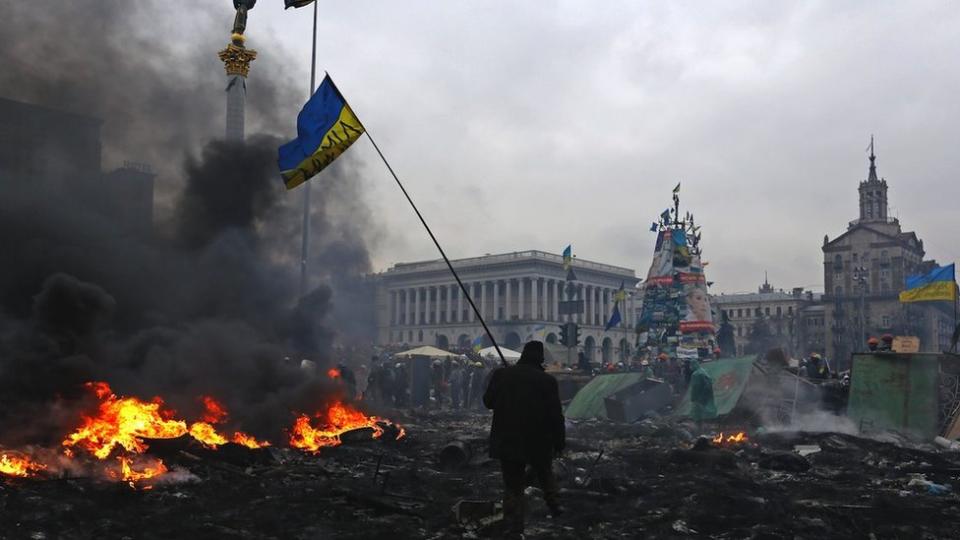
896, 391
588, 403
730, 376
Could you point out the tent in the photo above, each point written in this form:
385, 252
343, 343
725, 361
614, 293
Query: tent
429, 351
509, 354
730, 376
588, 403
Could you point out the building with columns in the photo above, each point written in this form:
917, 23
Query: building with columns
420, 303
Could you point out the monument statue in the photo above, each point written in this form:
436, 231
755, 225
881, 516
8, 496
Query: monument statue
242, 7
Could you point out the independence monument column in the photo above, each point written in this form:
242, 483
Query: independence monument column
236, 59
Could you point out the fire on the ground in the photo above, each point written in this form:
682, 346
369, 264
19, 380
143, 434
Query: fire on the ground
120, 425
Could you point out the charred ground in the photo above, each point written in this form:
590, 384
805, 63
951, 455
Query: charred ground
653, 480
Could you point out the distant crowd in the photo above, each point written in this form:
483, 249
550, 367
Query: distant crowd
452, 382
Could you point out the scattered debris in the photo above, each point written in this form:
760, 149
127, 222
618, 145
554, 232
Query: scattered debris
806, 449
650, 480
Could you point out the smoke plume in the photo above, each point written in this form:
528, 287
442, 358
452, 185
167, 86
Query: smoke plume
208, 304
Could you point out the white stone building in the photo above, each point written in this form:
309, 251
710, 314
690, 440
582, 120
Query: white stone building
518, 293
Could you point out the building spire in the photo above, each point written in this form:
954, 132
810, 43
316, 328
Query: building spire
873, 163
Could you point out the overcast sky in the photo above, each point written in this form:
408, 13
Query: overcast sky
533, 125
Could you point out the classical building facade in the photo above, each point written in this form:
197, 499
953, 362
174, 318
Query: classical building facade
864, 270
791, 319
419, 303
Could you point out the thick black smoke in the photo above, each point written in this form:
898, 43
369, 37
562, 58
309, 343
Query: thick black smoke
208, 304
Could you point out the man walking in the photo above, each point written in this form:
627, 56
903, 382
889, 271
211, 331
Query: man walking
528, 429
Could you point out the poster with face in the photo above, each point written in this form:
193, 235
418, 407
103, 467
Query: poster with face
698, 317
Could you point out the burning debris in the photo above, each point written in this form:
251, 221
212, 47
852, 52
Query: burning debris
125, 428
17, 464
332, 423
732, 439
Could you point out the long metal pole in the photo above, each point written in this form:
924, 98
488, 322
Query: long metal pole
463, 287
304, 247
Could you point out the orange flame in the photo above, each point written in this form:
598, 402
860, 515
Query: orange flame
249, 441
124, 422
206, 434
337, 420
333, 373
15, 464
215, 412
130, 476
730, 439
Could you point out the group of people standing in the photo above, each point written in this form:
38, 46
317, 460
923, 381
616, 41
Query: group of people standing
457, 383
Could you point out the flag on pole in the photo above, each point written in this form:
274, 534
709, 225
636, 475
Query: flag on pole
538, 333
677, 189
326, 127
665, 217
296, 3
477, 343
614, 318
618, 297
567, 257
939, 284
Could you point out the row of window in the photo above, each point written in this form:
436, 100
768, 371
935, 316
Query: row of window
856, 258
739, 312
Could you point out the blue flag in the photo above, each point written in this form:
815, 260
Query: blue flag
614, 318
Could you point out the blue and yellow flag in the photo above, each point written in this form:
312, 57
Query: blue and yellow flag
477, 343
326, 127
939, 284
567, 257
615, 317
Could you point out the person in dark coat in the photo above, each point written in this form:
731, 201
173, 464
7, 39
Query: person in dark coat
456, 384
348, 378
400, 385
528, 429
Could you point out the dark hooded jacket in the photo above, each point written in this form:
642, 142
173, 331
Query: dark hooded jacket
528, 422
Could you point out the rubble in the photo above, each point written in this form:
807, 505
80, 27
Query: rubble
649, 479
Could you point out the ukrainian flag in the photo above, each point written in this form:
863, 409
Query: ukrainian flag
326, 127
567, 257
939, 284
615, 317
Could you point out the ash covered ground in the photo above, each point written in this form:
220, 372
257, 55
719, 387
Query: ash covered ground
652, 480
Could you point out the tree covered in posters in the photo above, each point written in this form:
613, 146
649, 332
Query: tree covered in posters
676, 318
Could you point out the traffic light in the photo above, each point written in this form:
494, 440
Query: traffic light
576, 334
563, 334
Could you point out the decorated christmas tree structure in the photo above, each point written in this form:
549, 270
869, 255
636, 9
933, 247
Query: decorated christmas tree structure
675, 318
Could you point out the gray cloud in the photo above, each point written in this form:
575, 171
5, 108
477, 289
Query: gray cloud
591, 113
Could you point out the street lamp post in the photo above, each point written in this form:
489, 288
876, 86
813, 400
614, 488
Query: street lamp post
860, 275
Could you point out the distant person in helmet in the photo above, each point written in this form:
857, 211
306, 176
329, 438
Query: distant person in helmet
873, 343
817, 368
